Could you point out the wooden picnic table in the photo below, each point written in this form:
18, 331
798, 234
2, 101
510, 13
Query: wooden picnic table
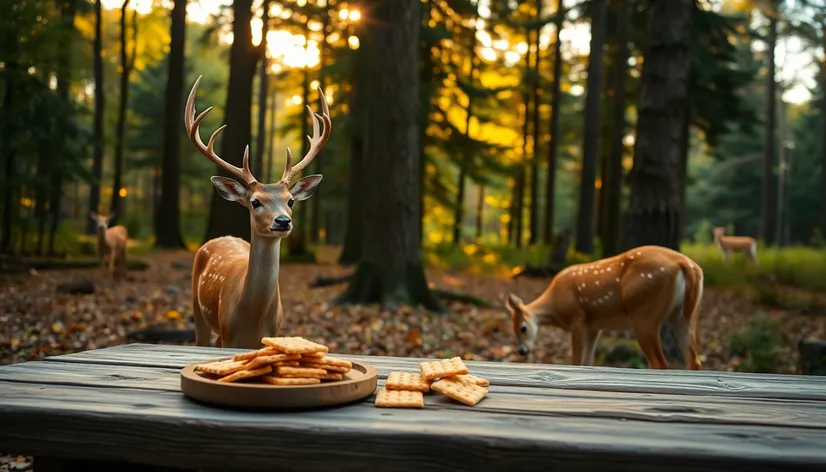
99, 409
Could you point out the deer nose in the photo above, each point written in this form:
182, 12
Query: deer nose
523, 350
282, 221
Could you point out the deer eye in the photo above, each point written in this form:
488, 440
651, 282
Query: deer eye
255, 203
290, 203
524, 329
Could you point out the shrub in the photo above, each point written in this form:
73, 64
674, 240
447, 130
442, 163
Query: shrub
758, 346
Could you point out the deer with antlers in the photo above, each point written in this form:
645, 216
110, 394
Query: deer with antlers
729, 244
640, 290
235, 289
111, 244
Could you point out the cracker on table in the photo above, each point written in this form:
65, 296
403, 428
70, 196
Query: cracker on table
327, 360
224, 367
470, 378
327, 367
245, 374
333, 376
289, 380
399, 399
432, 370
245, 356
293, 344
462, 391
406, 381
260, 361
299, 371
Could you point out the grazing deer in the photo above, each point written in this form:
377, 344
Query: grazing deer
235, 289
729, 244
111, 243
640, 290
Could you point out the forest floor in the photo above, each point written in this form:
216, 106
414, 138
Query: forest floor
36, 321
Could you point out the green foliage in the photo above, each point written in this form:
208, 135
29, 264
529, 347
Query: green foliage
758, 346
703, 235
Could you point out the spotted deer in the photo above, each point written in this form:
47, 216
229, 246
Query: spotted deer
729, 244
639, 290
235, 291
111, 244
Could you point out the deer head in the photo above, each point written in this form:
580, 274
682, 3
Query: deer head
719, 231
270, 205
523, 322
102, 220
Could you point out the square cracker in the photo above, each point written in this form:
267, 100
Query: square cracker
327, 367
294, 345
399, 399
300, 371
261, 361
246, 374
327, 360
289, 381
245, 356
472, 379
467, 393
312, 376
221, 368
432, 370
406, 381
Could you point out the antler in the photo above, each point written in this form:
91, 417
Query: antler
316, 141
193, 124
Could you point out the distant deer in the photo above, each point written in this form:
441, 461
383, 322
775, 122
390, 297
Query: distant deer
111, 243
639, 290
235, 290
729, 244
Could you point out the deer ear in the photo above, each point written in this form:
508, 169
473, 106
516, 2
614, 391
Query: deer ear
229, 188
513, 302
93, 215
305, 188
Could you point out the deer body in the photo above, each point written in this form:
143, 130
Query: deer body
235, 289
111, 244
730, 244
639, 290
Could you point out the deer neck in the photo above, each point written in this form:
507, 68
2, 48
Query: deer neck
101, 237
544, 313
261, 281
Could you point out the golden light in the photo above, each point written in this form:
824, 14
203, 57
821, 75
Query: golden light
122, 192
511, 58
276, 68
353, 41
628, 140
343, 13
301, 3
296, 99
314, 84
355, 15
314, 25
333, 37
522, 47
598, 183
488, 54
484, 38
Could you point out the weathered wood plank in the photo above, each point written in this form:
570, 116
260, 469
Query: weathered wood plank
156, 428
502, 399
515, 374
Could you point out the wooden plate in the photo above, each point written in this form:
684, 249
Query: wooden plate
355, 385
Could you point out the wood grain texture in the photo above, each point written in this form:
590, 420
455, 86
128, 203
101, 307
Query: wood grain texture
165, 428
515, 374
660, 408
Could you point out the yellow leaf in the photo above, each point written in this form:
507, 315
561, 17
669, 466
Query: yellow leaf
137, 316
15, 343
173, 315
57, 327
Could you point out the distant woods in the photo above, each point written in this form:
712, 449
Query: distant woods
626, 122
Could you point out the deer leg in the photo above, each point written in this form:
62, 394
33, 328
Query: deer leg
725, 256
685, 338
590, 346
577, 343
752, 253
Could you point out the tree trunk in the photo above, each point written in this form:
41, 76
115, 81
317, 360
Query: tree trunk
533, 238
297, 242
426, 75
653, 209
126, 63
823, 138
480, 207
266, 173
263, 82
390, 270
768, 216
227, 218
590, 148
613, 184
685, 143
512, 211
519, 208
97, 133
167, 224
318, 162
459, 211
556, 105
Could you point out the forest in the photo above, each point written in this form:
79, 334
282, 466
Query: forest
477, 147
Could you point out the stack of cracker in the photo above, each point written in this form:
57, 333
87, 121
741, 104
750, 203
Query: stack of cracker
284, 361
449, 377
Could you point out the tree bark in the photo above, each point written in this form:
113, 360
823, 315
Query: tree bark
533, 223
12, 70
480, 207
590, 148
770, 144
613, 184
227, 218
126, 63
97, 133
823, 138
390, 270
168, 212
459, 212
318, 163
297, 242
653, 210
553, 145
267, 171
263, 82
519, 208
685, 143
